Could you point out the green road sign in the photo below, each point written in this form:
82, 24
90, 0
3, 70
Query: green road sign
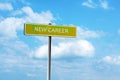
50, 30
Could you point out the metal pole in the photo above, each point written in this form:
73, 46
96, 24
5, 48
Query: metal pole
49, 57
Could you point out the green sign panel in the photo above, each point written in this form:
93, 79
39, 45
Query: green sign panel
50, 30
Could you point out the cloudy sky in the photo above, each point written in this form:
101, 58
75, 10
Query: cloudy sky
93, 55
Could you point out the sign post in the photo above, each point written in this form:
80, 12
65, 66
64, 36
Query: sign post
49, 58
49, 30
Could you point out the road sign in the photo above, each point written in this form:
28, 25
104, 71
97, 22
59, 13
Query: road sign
50, 30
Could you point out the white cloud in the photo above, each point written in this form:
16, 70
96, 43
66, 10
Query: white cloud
13, 46
89, 4
112, 59
10, 25
85, 33
6, 6
119, 31
43, 17
92, 4
70, 47
81, 48
104, 4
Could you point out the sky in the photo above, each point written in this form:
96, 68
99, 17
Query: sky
93, 55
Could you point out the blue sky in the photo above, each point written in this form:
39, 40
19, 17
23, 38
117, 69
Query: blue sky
93, 55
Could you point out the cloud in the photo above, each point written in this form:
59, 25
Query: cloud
43, 17
89, 4
85, 33
6, 6
104, 4
92, 4
10, 25
81, 48
112, 60
66, 47
119, 31
13, 46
